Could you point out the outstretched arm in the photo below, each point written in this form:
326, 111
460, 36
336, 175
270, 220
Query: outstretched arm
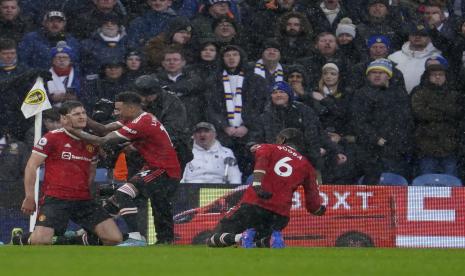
96, 140
101, 129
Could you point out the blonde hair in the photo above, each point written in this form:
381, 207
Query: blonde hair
321, 83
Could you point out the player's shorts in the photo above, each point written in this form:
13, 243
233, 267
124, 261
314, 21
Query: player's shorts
248, 216
147, 181
56, 213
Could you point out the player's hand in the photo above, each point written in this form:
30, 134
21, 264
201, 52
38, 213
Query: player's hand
321, 211
262, 193
29, 206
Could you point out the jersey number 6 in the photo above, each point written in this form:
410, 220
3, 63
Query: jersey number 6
282, 168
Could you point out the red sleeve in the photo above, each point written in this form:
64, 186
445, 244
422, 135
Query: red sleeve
131, 131
312, 192
45, 145
262, 159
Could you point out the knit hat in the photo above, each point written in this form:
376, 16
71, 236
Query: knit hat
132, 53
204, 125
442, 61
177, 24
147, 85
271, 43
345, 26
419, 29
378, 39
209, 3
435, 67
284, 86
111, 17
62, 47
381, 64
330, 66
384, 2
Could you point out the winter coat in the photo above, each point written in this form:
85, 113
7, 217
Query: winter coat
382, 113
85, 24
321, 24
149, 25
15, 29
34, 49
437, 111
412, 63
356, 76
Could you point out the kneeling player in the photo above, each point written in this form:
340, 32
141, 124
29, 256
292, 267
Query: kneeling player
69, 169
257, 221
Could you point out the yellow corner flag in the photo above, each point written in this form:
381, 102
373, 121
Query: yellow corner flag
36, 100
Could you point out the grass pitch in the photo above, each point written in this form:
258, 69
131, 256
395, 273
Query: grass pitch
186, 260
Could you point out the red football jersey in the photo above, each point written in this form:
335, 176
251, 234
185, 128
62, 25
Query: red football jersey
67, 165
152, 141
285, 170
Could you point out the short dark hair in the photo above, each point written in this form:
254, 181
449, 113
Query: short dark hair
173, 50
292, 137
67, 106
7, 44
129, 97
51, 114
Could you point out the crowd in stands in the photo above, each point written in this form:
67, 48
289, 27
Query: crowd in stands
375, 85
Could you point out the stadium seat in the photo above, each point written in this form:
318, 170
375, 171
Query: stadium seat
437, 180
389, 179
101, 175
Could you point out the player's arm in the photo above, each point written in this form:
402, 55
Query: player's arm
261, 163
313, 201
96, 140
101, 129
92, 172
29, 205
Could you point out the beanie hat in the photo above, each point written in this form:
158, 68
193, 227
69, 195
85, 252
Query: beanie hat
381, 64
330, 66
284, 86
111, 17
62, 47
435, 67
179, 23
384, 2
209, 3
147, 85
378, 39
442, 61
345, 26
271, 43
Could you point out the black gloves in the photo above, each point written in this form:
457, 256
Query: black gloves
262, 193
321, 211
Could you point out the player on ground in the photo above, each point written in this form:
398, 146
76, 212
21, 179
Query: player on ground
264, 209
157, 180
65, 193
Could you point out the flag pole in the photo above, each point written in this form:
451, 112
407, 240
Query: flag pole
37, 135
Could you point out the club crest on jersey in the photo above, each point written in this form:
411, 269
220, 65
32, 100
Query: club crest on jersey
42, 217
90, 148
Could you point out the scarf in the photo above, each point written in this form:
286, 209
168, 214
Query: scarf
277, 74
59, 83
8, 67
233, 99
110, 39
330, 14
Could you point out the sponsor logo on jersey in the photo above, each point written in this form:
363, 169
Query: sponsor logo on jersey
132, 131
35, 97
69, 156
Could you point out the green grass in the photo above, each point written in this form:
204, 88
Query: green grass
75, 260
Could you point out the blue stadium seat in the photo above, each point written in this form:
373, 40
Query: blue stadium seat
101, 175
389, 179
437, 180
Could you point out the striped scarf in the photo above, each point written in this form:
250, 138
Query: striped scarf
233, 99
277, 74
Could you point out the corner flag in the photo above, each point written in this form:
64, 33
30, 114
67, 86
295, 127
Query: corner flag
36, 100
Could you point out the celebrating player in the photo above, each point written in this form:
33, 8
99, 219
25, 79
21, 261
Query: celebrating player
157, 180
69, 171
264, 210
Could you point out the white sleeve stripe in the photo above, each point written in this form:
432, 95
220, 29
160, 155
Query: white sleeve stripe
119, 123
121, 135
40, 153
260, 171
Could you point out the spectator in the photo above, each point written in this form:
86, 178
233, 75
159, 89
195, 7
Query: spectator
235, 99
83, 25
188, 87
437, 18
411, 59
34, 49
380, 21
202, 23
170, 111
13, 158
178, 35
437, 110
295, 36
50, 121
151, 23
135, 66
65, 82
227, 31
109, 41
9, 66
296, 76
12, 24
206, 59
212, 162
383, 124
325, 51
378, 46
265, 24
326, 16
269, 67
347, 40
